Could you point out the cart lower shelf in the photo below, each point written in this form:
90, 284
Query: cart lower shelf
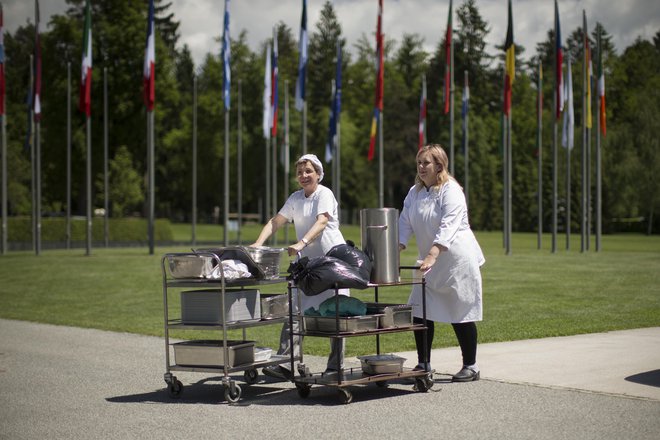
355, 376
232, 389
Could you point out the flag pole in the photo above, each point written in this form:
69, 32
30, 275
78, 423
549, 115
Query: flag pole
226, 85
68, 155
194, 163
568, 166
585, 133
4, 167
539, 150
88, 131
465, 144
37, 144
598, 152
285, 179
106, 201
381, 185
33, 187
509, 174
226, 181
239, 165
451, 104
150, 156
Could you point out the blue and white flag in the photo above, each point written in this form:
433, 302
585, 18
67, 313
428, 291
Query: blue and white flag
335, 110
267, 93
302, 59
226, 55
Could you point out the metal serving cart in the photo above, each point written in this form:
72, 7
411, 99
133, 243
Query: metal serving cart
357, 376
229, 359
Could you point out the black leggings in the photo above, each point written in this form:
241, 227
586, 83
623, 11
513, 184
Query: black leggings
466, 333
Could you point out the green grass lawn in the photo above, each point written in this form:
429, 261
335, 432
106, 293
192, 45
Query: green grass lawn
529, 294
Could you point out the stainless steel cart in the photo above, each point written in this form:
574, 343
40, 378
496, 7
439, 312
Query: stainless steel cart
232, 391
355, 376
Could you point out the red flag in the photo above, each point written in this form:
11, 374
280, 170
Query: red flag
85, 101
149, 71
378, 100
448, 66
510, 64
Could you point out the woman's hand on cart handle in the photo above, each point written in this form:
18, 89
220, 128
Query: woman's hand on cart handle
295, 248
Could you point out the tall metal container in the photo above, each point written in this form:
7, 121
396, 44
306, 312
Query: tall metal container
380, 241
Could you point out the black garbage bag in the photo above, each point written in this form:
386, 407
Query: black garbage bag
348, 253
315, 275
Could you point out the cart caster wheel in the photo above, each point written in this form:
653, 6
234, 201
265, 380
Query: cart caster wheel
382, 384
346, 396
423, 384
233, 393
175, 388
303, 389
251, 376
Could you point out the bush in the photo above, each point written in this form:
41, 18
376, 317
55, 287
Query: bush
19, 229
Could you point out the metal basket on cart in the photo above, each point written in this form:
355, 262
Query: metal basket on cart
267, 258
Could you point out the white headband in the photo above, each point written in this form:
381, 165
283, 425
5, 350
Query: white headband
314, 160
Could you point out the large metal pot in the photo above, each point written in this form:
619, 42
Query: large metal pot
380, 241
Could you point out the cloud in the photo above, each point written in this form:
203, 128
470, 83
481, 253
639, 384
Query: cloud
201, 20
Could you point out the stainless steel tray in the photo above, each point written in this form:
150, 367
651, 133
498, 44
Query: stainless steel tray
191, 265
393, 315
382, 363
327, 324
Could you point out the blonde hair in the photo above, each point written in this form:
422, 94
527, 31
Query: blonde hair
439, 156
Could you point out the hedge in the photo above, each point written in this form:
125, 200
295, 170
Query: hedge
19, 229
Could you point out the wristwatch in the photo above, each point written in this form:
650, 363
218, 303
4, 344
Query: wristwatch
305, 241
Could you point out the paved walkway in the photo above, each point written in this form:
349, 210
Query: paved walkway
70, 383
625, 363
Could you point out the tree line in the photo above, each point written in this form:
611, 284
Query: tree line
631, 154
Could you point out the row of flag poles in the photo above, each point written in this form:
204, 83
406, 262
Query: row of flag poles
563, 96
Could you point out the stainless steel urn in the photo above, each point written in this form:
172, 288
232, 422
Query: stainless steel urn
380, 241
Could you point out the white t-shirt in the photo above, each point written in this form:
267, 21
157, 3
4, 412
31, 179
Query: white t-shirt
303, 212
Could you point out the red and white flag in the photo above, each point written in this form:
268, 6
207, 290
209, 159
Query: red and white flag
85, 101
150, 62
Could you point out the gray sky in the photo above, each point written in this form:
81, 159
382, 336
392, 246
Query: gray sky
201, 20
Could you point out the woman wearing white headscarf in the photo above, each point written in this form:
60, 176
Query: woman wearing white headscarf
313, 211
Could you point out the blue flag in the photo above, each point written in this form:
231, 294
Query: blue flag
226, 54
302, 59
335, 110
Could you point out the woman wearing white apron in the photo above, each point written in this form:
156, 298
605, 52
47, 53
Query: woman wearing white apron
313, 211
435, 211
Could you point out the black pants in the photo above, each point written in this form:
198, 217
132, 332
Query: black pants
466, 333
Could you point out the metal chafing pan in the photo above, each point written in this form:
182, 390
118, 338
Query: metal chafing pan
391, 315
328, 324
191, 265
382, 363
